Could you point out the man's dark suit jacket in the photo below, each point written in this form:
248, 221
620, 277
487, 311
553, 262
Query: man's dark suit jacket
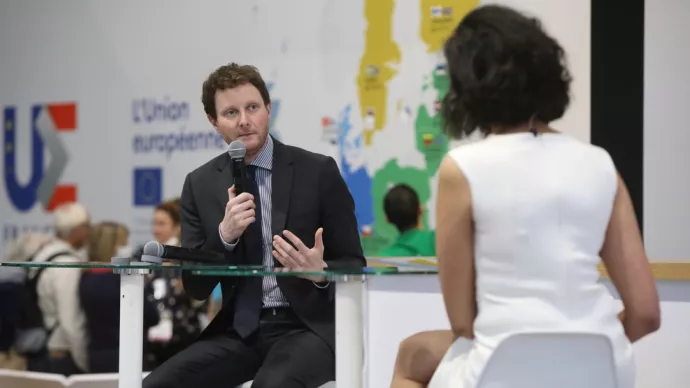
308, 192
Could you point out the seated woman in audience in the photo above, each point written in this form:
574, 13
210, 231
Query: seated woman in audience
181, 316
525, 215
99, 294
166, 222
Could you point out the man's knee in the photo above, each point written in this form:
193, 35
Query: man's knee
272, 380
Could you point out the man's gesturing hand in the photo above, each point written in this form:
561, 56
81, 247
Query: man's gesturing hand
301, 259
239, 213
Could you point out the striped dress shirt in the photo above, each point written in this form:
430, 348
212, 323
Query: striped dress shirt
272, 297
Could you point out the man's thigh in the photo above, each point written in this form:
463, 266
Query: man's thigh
300, 360
218, 361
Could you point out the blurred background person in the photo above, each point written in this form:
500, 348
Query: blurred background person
12, 283
166, 222
181, 318
524, 216
58, 296
99, 293
403, 210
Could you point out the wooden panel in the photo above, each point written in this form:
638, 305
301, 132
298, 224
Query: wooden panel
661, 270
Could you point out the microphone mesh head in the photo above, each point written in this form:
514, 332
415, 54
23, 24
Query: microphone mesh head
153, 248
237, 150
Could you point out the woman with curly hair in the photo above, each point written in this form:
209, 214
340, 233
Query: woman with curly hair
525, 215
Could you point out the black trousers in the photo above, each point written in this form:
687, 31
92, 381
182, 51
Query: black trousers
10, 311
283, 353
45, 363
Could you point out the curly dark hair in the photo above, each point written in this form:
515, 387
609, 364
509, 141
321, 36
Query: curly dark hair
504, 70
231, 76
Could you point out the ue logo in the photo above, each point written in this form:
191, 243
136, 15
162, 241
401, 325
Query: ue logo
47, 120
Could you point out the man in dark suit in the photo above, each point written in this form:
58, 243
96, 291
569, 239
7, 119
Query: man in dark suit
278, 331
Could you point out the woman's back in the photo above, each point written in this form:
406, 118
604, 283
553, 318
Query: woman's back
541, 207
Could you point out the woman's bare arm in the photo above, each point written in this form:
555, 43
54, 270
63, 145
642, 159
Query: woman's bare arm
624, 256
455, 248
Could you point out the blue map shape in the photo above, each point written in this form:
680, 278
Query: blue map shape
358, 181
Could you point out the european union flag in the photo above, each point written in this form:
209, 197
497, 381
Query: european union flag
148, 186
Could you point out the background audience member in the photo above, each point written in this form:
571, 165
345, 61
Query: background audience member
99, 292
57, 290
166, 222
402, 208
12, 283
181, 317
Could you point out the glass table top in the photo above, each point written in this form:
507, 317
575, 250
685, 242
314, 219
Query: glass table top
374, 267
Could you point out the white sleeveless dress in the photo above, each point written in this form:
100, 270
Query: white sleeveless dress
541, 207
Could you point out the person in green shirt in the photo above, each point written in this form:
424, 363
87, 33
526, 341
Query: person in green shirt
402, 208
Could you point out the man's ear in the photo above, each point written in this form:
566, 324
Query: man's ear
420, 224
213, 121
268, 108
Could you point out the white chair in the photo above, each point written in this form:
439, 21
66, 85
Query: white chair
548, 360
24, 379
96, 380
330, 384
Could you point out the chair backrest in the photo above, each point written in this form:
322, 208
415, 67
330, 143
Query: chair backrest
330, 384
96, 380
100, 380
547, 360
23, 379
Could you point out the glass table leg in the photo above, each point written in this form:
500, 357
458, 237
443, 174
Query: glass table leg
131, 327
349, 337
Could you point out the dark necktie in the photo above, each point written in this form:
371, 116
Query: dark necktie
248, 301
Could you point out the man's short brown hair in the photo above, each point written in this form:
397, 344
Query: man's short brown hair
228, 77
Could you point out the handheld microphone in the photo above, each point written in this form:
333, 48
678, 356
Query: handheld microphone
237, 151
155, 252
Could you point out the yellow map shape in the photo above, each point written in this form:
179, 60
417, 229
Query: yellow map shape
439, 19
374, 73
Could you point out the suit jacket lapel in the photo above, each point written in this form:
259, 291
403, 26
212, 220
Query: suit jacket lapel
223, 181
281, 182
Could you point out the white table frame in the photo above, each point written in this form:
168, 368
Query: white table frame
349, 333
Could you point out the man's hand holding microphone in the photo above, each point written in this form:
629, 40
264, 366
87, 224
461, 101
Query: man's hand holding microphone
239, 213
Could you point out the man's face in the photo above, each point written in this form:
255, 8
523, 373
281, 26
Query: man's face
242, 115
